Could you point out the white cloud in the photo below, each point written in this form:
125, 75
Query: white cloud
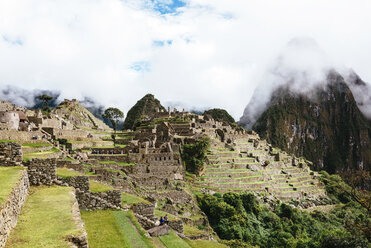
219, 50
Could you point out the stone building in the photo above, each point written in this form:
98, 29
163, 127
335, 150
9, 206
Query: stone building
9, 120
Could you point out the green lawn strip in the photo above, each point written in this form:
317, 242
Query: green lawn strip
140, 229
46, 219
132, 230
205, 244
35, 145
65, 172
117, 163
39, 154
69, 159
9, 176
173, 241
99, 187
132, 199
110, 236
9, 141
87, 172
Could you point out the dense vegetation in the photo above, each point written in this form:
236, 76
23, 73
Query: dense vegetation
220, 115
239, 219
194, 155
144, 106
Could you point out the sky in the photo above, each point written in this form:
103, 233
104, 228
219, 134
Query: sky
195, 54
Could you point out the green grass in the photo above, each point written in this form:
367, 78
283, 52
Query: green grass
117, 232
117, 163
69, 159
87, 172
9, 141
192, 230
9, 176
173, 241
35, 145
39, 154
46, 219
205, 244
99, 187
112, 155
65, 172
133, 230
132, 199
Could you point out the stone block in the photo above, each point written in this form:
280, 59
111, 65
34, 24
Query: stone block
159, 231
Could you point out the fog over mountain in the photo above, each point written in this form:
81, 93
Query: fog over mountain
198, 53
303, 67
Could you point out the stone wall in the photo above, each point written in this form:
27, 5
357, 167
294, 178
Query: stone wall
34, 149
10, 154
79, 182
11, 208
42, 171
150, 180
116, 158
145, 222
76, 135
75, 165
146, 210
107, 175
22, 136
99, 200
177, 225
88, 143
81, 241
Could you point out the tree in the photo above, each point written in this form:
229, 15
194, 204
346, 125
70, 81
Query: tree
114, 115
360, 183
195, 155
45, 101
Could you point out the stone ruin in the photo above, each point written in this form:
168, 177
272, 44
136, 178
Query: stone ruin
151, 162
10, 154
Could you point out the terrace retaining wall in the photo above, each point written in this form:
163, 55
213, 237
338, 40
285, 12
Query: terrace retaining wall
79, 182
146, 210
10, 154
42, 171
11, 208
99, 200
22, 136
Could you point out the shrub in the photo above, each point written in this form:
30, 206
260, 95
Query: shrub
239, 218
195, 155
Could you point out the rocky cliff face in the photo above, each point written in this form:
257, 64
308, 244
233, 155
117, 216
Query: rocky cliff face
78, 115
144, 107
325, 127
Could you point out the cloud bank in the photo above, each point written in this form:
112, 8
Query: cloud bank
192, 53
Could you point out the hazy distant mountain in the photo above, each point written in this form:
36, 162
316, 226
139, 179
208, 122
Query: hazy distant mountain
326, 126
